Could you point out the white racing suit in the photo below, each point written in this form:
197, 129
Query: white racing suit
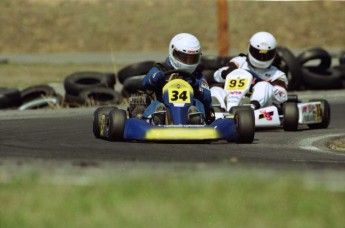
269, 86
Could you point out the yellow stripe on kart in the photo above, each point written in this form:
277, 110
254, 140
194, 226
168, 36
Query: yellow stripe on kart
181, 134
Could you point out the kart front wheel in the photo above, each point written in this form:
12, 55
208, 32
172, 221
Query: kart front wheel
117, 119
97, 120
325, 114
245, 125
290, 113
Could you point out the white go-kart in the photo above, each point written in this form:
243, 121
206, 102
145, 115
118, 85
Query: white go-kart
315, 114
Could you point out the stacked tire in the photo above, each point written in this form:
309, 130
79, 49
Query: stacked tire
317, 71
32, 97
90, 88
131, 77
10, 98
39, 97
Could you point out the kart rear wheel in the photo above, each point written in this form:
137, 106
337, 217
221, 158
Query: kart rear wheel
235, 109
325, 113
291, 115
117, 119
245, 125
97, 115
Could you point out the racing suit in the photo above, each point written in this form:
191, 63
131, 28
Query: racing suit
202, 94
269, 86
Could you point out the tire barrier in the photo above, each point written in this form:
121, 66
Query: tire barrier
94, 97
133, 84
208, 74
91, 88
342, 58
39, 96
79, 81
139, 68
212, 62
318, 78
316, 54
341, 69
42, 102
100, 96
9, 98
317, 71
38, 91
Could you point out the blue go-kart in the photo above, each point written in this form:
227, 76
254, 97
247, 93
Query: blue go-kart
114, 124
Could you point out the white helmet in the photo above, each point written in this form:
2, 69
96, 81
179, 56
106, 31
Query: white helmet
185, 52
262, 49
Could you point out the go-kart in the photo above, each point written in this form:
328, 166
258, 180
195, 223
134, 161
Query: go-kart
292, 113
113, 124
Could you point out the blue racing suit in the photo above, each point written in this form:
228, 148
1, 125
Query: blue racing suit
202, 94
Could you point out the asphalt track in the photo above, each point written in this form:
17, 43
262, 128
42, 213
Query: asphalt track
66, 135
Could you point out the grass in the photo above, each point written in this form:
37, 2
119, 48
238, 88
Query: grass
172, 199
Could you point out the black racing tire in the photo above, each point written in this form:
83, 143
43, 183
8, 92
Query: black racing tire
318, 78
325, 113
9, 97
342, 58
125, 93
213, 62
47, 102
291, 115
245, 125
209, 76
316, 54
73, 100
139, 68
341, 69
111, 79
38, 91
117, 119
134, 84
97, 115
79, 81
100, 96
210, 62
289, 64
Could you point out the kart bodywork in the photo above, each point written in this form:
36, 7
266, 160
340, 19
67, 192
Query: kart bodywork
114, 124
315, 113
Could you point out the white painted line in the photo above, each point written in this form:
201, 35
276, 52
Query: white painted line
307, 144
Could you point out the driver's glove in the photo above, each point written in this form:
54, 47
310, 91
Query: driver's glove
157, 78
210, 115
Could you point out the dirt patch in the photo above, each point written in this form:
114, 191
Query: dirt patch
337, 144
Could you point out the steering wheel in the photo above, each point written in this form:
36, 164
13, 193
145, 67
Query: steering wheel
183, 74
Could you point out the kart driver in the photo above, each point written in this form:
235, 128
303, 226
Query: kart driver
269, 85
184, 54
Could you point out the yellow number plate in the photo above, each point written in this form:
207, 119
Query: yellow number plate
180, 95
237, 84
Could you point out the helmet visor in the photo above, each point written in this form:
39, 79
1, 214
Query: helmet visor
262, 55
186, 58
